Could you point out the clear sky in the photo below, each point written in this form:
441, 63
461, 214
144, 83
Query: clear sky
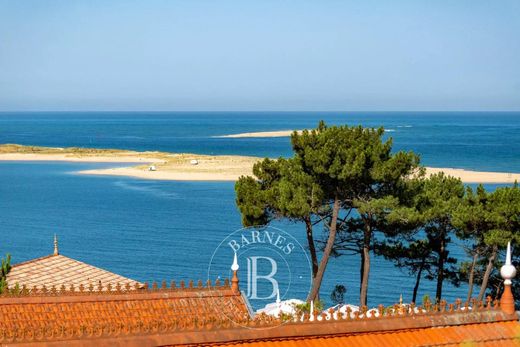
259, 55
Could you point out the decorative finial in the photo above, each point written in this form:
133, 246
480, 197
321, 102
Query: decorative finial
56, 252
401, 306
508, 272
234, 279
234, 266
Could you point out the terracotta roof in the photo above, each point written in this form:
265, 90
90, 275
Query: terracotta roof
217, 315
49, 316
480, 334
58, 270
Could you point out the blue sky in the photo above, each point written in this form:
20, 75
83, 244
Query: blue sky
259, 55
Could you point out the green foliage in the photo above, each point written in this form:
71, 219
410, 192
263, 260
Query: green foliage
281, 190
306, 307
410, 256
251, 202
338, 294
488, 221
350, 166
346, 161
385, 193
354, 164
4, 270
424, 251
503, 216
286, 317
426, 300
441, 195
470, 216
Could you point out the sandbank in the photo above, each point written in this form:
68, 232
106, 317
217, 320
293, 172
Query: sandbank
180, 167
278, 133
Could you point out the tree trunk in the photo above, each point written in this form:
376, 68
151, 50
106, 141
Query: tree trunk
418, 280
316, 283
361, 271
471, 277
366, 262
489, 268
440, 270
312, 248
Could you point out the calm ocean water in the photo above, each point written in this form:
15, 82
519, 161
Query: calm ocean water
154, 230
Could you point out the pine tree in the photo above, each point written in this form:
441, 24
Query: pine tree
334, 171
4, 270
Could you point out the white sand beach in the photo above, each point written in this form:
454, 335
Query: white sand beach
468, 176
181, 167
226, 171
278, 133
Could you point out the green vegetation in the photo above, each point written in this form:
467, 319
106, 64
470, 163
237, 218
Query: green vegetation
489, 221
334, 171
300, 309
338, 294
424, 252
369, 200
4, 270
13, 148
282, 190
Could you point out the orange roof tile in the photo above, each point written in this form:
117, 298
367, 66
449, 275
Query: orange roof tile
78, 311
48, 316
58, 270
481, 334
218, 315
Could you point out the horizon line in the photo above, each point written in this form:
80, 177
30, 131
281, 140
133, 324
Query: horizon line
253, 111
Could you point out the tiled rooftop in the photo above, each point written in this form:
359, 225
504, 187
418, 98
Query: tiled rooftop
196, 315
481, 334
58, 270
69, 310
40, 316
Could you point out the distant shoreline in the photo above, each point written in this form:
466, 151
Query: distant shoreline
277, 133
267, 134
188, 167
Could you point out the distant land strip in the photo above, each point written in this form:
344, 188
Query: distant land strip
277, 133
186, 166
260, 134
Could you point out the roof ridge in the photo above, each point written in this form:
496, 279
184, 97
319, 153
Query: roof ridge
67, 258
58, 269
103, 296
33, 260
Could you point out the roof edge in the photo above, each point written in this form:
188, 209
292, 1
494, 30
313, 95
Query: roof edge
139, 294
293, 331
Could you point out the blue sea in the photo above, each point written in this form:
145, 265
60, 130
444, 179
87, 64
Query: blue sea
155, 230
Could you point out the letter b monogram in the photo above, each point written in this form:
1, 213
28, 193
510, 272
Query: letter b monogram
253, 276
